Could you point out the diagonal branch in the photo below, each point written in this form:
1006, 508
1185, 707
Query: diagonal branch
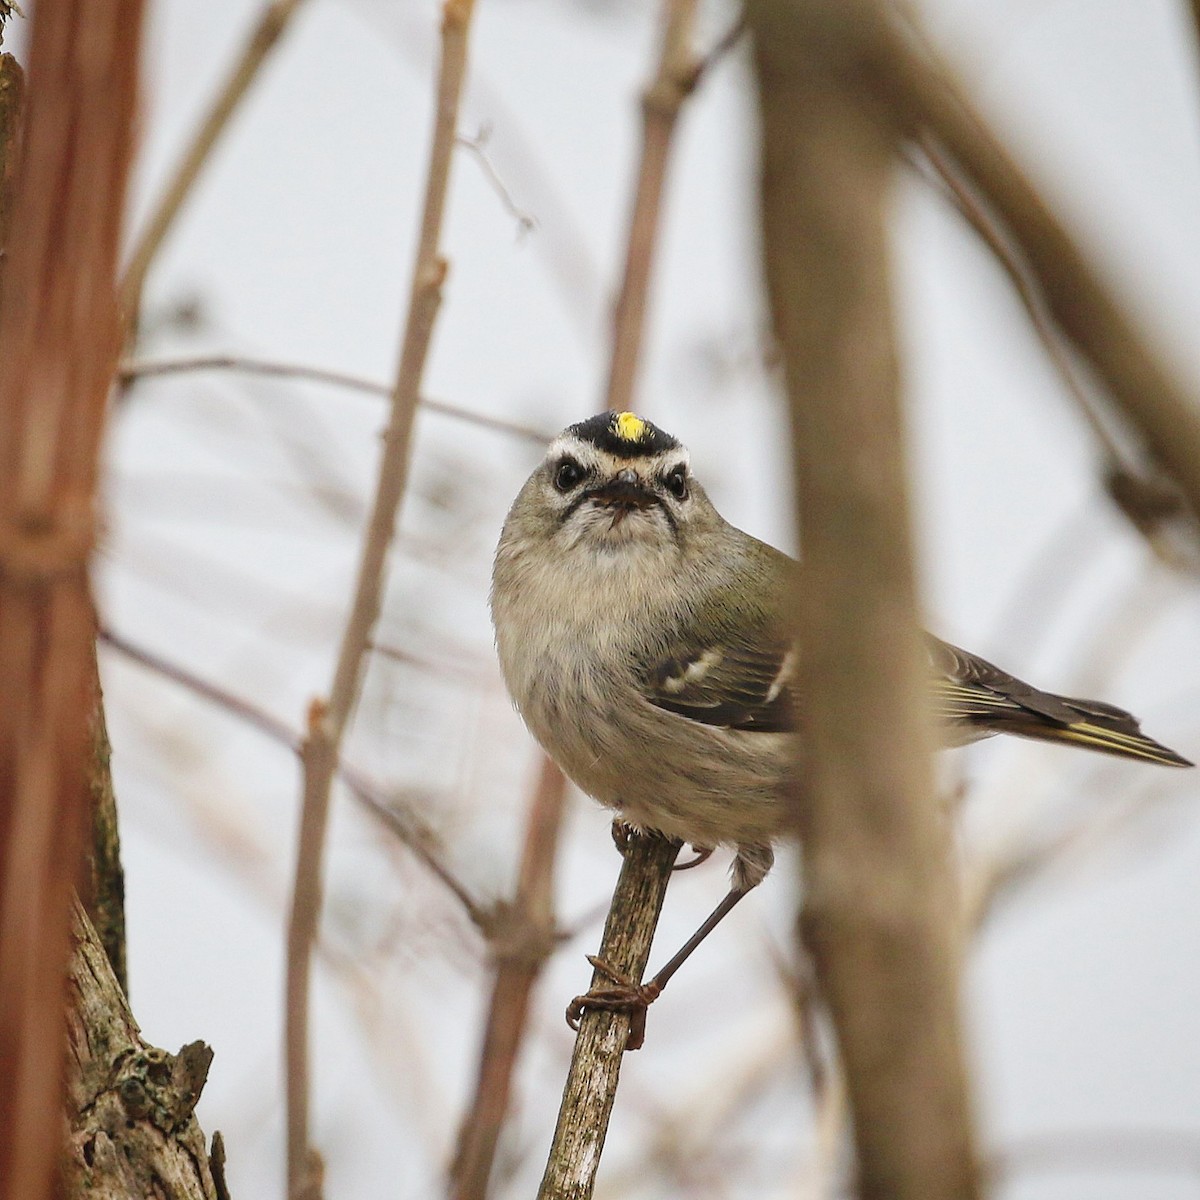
328, 719
1162, 411
130, 371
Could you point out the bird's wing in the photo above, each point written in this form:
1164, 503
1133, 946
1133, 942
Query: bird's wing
969, 688
736, 680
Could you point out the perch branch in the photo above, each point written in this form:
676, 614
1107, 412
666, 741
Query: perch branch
878, 905
595, 1064
328, 719
596, 1060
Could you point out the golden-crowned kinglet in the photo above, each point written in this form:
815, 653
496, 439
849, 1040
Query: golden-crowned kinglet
641, 637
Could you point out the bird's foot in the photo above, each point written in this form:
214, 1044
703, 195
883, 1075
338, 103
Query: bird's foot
703, 854
623, 996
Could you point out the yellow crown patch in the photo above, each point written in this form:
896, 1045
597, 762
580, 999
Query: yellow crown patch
628, 427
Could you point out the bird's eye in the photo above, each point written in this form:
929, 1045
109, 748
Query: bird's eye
568, 475
677, 483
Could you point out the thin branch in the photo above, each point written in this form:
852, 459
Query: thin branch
263, 39
130, 371
59, 336
661, 103
596, 1060
477, 146
328, 719
524, 938
723, 46
975, 211
1161, 410
878, 912
1142, 492
397, 817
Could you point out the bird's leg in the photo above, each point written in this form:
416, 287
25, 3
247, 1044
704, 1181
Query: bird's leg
626, 996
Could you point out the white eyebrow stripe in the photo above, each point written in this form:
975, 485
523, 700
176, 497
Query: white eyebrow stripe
588, 455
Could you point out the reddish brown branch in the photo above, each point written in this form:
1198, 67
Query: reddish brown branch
58, 342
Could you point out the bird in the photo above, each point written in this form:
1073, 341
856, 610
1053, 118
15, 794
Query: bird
643, 640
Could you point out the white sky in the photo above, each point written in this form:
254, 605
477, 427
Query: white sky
1084, 994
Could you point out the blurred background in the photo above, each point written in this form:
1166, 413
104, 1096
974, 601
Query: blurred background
234, 509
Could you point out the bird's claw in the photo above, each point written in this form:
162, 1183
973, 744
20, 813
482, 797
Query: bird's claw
623, 996
703, 854
622, 835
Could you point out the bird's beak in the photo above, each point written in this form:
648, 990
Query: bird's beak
624, 493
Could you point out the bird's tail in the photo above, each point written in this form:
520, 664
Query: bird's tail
1097, 726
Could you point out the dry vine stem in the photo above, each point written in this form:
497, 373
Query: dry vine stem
58, 345
271, 25
878, 905
328, 719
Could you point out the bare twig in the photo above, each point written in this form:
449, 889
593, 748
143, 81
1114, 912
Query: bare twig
661, 103
477, 146
596, 1060
397, 815
328, 720
1157, 406
263, 38
975, 211
523, 938
130, 371
59, 336
878, 902
1143, 493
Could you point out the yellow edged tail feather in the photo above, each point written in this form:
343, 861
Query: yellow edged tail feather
1108, 741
